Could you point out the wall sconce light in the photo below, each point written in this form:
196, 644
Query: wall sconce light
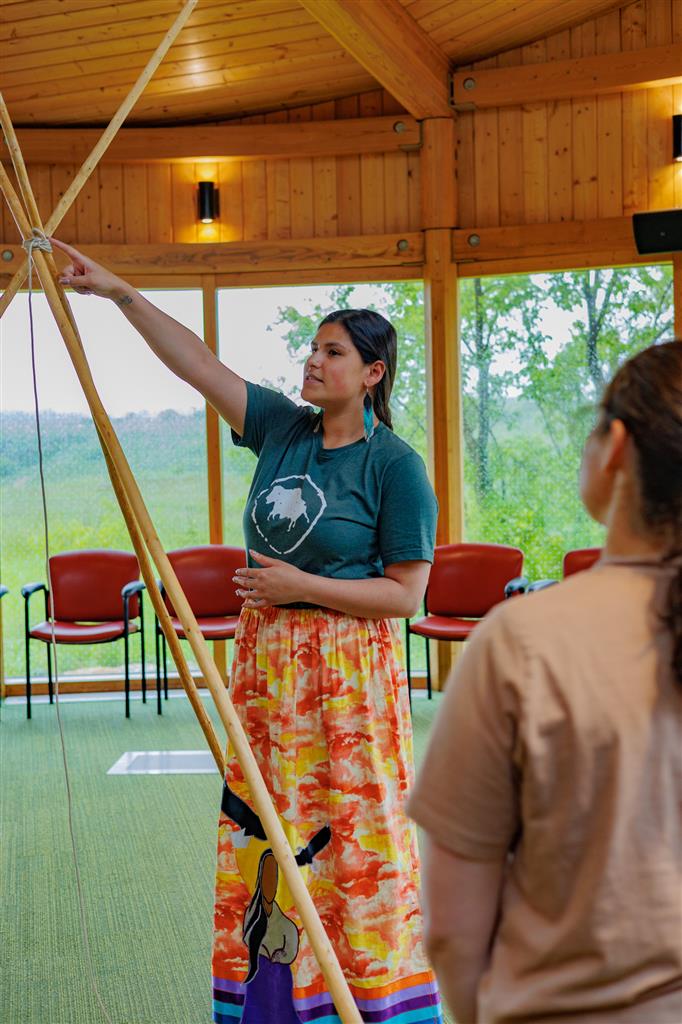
208, 202
677, 137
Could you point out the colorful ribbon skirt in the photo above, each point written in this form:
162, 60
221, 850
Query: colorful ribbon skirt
323, 699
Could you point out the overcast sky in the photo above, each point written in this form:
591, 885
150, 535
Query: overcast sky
128, 377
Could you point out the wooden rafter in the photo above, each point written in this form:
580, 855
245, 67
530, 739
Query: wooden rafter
310, 253
388, 43
188, 144
564, 79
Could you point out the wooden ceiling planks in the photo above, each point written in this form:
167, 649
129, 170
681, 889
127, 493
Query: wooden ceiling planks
230, 59
469, 30
70, 61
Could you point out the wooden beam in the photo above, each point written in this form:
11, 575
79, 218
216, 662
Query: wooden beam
546, 240
677, 294
189, 144
214, 453
650, 68
438, 174
444, 402
213, 442
270, 278
567, 262
302, 254
392, 46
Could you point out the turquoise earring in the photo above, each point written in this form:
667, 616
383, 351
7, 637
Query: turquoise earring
368, 416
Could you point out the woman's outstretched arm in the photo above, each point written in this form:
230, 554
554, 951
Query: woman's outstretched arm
180, 349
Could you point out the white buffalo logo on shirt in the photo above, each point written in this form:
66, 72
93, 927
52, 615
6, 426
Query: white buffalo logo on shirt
287, 503
285, 512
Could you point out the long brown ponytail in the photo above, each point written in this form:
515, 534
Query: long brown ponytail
646, 395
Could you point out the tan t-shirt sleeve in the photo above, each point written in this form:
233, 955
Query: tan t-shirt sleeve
466, 794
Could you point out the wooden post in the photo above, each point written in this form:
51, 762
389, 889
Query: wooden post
677, 293
439, 216
214, 455
2, 659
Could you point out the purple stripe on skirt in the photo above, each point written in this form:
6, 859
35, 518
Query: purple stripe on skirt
229, 986
410, 992
374, 1016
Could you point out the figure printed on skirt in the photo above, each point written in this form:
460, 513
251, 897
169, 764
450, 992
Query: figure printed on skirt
272, 938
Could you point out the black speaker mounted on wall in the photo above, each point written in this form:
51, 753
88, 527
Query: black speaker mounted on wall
659, 231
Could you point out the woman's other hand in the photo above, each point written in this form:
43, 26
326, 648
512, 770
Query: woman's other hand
277, 582
87, 277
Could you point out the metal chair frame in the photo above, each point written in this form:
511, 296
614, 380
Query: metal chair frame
134, 587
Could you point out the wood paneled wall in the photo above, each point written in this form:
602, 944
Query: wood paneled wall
306, 197
580, 159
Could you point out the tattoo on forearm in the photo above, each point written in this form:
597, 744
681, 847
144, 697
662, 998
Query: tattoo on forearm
124, 300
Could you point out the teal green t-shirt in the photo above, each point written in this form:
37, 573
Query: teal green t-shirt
338, 512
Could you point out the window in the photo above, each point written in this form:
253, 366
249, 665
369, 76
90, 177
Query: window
265, 336
537, 351
161, 425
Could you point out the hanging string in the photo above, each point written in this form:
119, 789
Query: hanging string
40, 241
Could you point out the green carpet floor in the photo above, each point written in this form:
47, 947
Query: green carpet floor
146, 848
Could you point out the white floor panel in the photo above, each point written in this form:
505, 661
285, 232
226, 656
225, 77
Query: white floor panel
164, 762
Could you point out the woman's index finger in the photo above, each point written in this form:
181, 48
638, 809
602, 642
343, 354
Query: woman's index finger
69, 250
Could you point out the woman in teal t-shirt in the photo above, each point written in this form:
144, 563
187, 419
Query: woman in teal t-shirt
340, 527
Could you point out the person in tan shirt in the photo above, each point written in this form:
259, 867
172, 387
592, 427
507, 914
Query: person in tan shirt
551, 791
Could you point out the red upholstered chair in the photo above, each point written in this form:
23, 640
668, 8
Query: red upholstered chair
205, 574
96, 598
580, 559
465, 582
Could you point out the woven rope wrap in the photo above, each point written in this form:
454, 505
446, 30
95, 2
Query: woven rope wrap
38, 240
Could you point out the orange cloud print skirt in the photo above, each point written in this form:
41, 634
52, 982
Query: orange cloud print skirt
323, 698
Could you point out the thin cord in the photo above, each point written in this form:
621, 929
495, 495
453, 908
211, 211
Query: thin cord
39, 241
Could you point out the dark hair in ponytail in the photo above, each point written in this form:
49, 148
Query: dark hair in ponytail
375, 339
646, 395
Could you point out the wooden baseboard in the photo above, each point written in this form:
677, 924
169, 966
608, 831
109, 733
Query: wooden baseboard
14, 688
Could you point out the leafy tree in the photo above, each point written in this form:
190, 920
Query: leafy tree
543, 399
490, 331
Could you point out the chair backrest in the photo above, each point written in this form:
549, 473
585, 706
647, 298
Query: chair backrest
86, 585
205, 574
580, 559
467, 580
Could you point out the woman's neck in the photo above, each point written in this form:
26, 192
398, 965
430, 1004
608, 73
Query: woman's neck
343, 426
626, 534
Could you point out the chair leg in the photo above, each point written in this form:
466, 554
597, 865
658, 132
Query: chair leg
165, 667
158, 665
144, 672
407, 660
50, 688
28, 676
127, 674
428, 669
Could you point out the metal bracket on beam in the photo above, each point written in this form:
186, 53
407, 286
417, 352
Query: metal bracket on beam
457, 100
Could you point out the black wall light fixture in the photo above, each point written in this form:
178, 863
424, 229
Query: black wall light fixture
677, 137
208, 205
